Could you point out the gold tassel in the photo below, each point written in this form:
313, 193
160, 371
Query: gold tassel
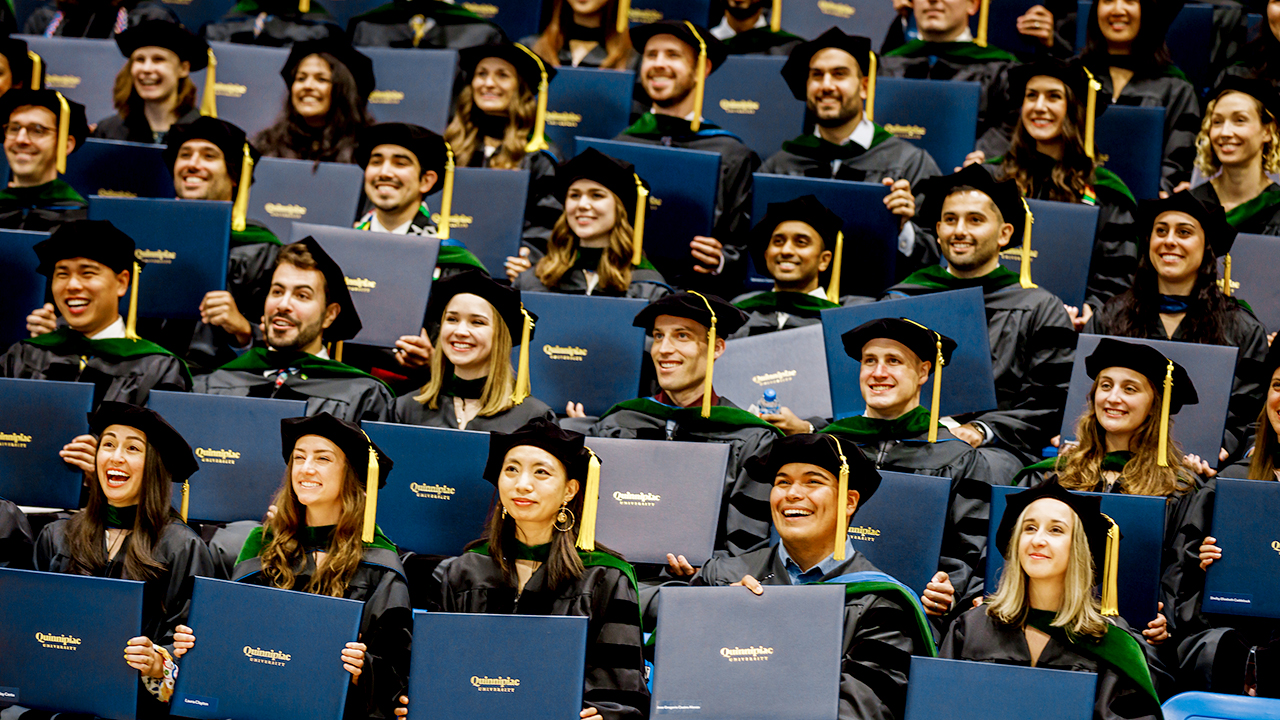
869, 108
699, 79
240, 209
842, 502
337, 351
131, 323
186, 498
371, 494
624, 16
590, 503
1024, 272
1162, 453
419, 25
637, 235
304, 7
936, 401
983, 14
1111, 571
446, 198
833, 288
209, 103
37, 65
775, 17
522, 373
64, 131
1091, 107
1226, 274
537, 141
711, 357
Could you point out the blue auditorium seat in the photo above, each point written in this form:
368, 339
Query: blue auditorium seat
1212, 706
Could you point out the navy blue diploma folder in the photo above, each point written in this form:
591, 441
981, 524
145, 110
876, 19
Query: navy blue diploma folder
993, 690
900, 529
180, 266
792, 362
967, 385
43, 416
237, 444
487, 213
320, 193
1252, 276
473, 665
64, 638
659, 497
436, 501
1198, 428
22, 290
1244, 524
1130, 141
748, 97
249, 90
589, 102
389, 277
811, 18
1141, 521
580, 336
720, 652
941, 117
118, 168
648, 11
415, 85
262, 653
1061, 247
82, 69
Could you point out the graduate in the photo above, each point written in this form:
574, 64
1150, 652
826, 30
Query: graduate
832, 75
749, 28
1032, 339
883, 624
90, 266
424, 24
1263, 460
327, 103
538, 556
36, 198
584, 33
129, 530
1255, 60
1045, 614
307, 305
672, 52
594, 247
1176, 296
472, 385
274, 23
321, 540
1237, 146
688, 332
93, 18
17, 68
153, 90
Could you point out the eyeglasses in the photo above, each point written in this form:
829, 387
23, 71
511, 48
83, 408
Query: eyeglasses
35, 132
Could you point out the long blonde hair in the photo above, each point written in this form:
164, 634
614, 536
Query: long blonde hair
1080, 612
1207, 161
615, 262
500, 382
463, 135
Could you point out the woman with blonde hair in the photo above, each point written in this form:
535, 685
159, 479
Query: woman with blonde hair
472, 385
584, 33
153, 91
593, 249
1238, 146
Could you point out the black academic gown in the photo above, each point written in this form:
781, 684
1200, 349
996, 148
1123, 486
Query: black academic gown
646, 282
326, 385
770, 311
443, 26
614, 677
282, 24
93, 19
1259, 216
977, 637
121, 370
41, 208
135, 127
1032, 349
411, 412
15, 537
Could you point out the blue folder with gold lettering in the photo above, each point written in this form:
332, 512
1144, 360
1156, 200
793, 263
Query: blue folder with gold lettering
487, 215
589, 102
1131, 144
720, 652
389, 277
250, 92
1062, 237
283, 658
44, 415
900, 528
870, 230
682, 195
319, 193
660, 497
1253, 276
22, 290
82, 69
437, 500
748, 97
474, 665
117, 168
811, 18
967, 384
414, 85
940, 117
64, 638
1244, 524
517, 18
648, 11
237, 443
581, 336
792, 362
1197, 428
1141, 521
995, 690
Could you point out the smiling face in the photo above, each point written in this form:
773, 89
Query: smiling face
1236, 131
591, 210
803, 505
200, 172
296, 311
587, 7
679, 354
494, 85
890, 378
312, 88
121, 457
1122, 401
1119, 21
796, 256
1273, 401
88, 293
1044, 106
6, 75
666, 70
156, 73
1044, 539
1177, 247
466, 334
393, 179
971, 232
317, 471
532, 488
943, 20
30, 144
836, 89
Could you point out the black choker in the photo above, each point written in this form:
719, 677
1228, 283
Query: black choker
574, 31
493, 126
465, 389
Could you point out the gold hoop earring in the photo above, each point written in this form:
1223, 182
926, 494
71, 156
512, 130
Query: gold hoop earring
504, 512
565, 518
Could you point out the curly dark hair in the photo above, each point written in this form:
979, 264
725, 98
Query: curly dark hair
291, 137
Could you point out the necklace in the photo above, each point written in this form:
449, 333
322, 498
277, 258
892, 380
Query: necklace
113, 547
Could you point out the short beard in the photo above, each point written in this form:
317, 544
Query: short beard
847, 114
307, 334
979, 259
674, 100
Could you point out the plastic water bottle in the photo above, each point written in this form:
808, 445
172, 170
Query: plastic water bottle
769, 404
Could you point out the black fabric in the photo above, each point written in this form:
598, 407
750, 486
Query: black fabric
796, 69
1004, 194
825, 451
716, 51
188, 46
688, 305
411, 412
806, 209
427, 147
129, 380
919, 339
1218, 233
504, 298
174, 451
566, 446
98, 240
347, 325
359, 64
1146, 360
617, 175
229, 138
345, 434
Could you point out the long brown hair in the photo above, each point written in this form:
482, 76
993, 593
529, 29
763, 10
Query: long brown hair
617, 45
85, 529
463, 134
501, 378
1263, 465
291, 137
126, 99
1080, 467
1070, 175
283, 551
615, 262
562, 563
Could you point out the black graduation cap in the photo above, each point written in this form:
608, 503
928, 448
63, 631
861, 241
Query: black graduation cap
1071, 74
504, 298
919, 339
696, 307
77, 128
806, 209
98, 240
229, 138
1259, 90
188, 46
17, 53
174, 451
359, 64
796, 70
567, 446
526, 65
1218, 233
591, 164
1088, 509
1147, 361
1270, 364
1003, 193
426, 146
717, 52
347, 325
346, 435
